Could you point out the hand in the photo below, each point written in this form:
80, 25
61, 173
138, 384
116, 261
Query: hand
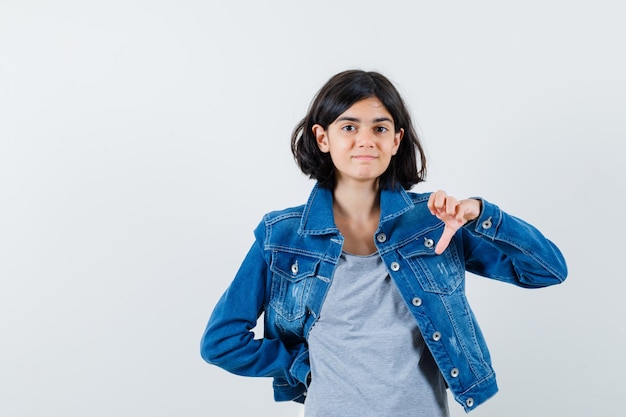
453, 213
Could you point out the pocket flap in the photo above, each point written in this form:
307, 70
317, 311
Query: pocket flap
292, 266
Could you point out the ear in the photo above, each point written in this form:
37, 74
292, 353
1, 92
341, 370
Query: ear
396, 141
321, 137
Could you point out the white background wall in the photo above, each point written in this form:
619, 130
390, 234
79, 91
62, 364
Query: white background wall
141, 142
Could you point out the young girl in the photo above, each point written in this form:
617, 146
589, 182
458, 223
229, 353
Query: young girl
362, 287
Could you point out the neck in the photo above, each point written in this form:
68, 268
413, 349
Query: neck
356, 201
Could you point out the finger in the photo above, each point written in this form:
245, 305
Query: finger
444, 240
434, 201
469, 209
431, 203
451, 206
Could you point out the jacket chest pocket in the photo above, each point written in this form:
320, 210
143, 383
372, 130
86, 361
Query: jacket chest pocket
440, 274
291, 283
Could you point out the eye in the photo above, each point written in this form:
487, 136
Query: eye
349, 128
381, 129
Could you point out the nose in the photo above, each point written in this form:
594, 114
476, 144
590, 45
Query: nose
365, 139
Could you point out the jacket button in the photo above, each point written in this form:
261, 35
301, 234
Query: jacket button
416, 301
294, 268
487, 223
428, 243
395, 266
381, 237
469, 402
454, 372
436, 336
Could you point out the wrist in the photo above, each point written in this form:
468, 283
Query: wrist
474, 208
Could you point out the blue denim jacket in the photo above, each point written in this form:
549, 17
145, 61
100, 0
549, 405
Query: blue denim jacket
287, 273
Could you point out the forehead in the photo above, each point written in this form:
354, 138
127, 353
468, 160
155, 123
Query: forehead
367, 109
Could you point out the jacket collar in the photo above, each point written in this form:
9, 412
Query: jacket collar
318, 219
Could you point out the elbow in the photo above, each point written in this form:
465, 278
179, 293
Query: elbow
207, 354
223, 350
209, 349
563, 272
560, 269
555, 275
554, 270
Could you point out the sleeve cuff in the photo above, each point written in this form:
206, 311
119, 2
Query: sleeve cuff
487, 223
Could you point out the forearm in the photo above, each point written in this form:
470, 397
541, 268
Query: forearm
507, 248
230, 344
229, 341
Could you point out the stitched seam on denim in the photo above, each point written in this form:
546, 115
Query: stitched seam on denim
491, 375
398, 246
297, 251
531, 255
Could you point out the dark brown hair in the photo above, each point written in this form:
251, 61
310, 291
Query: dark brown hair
334, 98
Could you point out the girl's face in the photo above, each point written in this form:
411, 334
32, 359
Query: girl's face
361, 141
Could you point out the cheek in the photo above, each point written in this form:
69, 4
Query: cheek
340, 147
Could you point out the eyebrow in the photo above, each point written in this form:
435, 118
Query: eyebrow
354, 119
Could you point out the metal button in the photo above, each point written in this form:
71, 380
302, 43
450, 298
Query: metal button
487, 223
416, 301
454, 372
395, 266
428, 242
436, 336
381, 237
294, 268
469, 402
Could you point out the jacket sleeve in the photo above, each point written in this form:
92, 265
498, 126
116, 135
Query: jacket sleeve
228, 340
501, 246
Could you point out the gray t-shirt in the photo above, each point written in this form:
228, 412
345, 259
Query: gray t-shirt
367, 355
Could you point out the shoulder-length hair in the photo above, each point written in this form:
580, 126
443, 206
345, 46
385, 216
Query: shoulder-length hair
335, 97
